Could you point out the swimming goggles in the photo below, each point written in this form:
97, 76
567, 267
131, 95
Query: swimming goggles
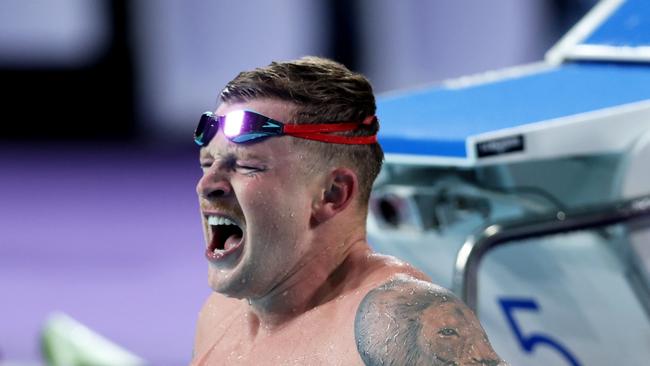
246, 126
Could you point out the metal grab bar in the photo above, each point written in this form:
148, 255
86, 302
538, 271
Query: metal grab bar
468, 259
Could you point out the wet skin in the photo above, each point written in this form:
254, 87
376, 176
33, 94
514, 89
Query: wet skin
303, 287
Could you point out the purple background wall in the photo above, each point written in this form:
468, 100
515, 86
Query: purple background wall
108, 235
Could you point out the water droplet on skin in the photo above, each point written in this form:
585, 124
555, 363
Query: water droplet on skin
292, 214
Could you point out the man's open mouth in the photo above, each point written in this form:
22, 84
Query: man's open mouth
226, 236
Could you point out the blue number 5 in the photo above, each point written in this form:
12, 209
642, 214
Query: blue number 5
529, 342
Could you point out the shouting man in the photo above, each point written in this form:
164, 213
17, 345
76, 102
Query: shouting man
289, 159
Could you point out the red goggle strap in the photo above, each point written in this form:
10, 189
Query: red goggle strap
337, 139
315, 131
319, 127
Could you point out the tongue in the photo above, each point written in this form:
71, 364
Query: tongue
232, 241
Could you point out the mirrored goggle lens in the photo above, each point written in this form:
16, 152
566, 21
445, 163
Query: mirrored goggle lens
238, 126
246, 126
207, 128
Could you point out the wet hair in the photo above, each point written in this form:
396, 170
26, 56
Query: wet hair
322, 91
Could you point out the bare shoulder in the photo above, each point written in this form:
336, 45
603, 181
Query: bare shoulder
214, 320
216, 308
407, 321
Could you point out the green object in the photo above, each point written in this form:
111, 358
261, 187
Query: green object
67, 342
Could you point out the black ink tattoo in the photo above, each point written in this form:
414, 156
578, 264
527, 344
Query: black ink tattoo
412, 322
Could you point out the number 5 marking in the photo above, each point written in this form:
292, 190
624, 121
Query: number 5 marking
529, 342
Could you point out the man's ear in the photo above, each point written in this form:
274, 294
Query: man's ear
341, 187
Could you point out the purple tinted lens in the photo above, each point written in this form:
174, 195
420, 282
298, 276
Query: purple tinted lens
247, 126
235, 122
206, 129
238, 126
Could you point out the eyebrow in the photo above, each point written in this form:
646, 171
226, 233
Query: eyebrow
232, 152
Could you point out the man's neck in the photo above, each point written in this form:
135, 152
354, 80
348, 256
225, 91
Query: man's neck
318, 279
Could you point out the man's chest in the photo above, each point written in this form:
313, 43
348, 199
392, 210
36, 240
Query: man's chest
315, 339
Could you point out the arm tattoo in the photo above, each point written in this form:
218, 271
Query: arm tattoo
411, 322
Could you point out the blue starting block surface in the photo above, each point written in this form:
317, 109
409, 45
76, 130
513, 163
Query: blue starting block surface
445, 122
627, 26
614, 30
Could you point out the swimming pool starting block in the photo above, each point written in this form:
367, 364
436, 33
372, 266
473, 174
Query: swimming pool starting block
539, 173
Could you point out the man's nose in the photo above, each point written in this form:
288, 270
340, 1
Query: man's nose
213, 185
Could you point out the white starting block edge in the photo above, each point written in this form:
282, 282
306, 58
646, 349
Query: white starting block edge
610, 130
